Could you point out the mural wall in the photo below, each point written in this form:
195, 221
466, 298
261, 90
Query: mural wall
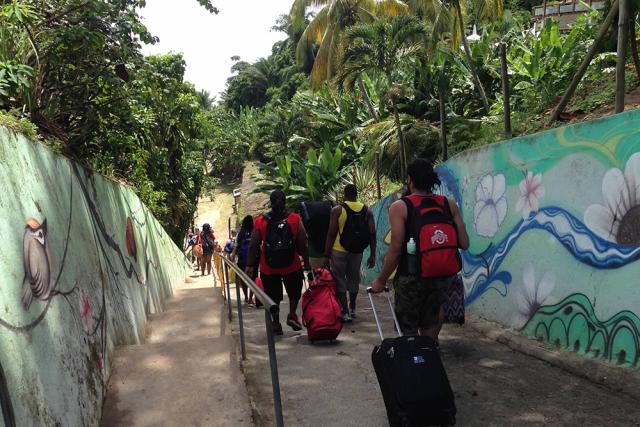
82, 264
554, 221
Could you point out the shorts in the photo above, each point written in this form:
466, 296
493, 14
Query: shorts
418, 302
292, 283
345, 266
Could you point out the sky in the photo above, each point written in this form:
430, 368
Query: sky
208, 41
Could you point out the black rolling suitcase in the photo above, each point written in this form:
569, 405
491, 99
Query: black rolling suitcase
413, 381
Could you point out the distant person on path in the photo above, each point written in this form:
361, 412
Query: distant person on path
283, 240
231, 244
351, 230
241, 255
208, 241
419, 298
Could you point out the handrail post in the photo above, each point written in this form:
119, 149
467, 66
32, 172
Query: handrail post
240, 321
275, 382
228, 298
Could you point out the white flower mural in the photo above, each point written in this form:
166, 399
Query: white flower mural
618, 220
491, 205
533, 294
531, 191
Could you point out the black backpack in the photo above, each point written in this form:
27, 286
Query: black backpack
355, 235
206, 241
279, 243
316, 217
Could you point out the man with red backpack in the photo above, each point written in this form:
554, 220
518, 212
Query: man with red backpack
283, 240
351, 230
426, 232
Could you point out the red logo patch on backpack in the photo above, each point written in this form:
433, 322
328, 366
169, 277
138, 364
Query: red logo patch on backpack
430, 219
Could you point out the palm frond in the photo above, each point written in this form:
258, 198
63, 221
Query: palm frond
319, 70
490, 9
298, 11
391, 8
313, 34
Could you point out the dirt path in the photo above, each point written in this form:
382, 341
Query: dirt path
218, 211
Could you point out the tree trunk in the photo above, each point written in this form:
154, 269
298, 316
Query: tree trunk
442, 102
367, 99
633, 42
403, 153
505, 90
376, 117
585, 62
467, 51
622, 55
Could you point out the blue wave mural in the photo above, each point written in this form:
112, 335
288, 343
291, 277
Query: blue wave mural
482, 271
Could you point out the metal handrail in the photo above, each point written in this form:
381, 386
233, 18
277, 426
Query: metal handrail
270, 307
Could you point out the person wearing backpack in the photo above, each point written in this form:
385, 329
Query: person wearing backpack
231, 243
426, 232
241, 253
283, 240
351, 230
208, 241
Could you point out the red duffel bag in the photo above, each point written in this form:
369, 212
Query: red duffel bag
321, 313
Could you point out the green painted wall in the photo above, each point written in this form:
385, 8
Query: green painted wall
554, 221
82, 264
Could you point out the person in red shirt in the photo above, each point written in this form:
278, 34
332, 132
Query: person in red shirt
283, 240
208, 241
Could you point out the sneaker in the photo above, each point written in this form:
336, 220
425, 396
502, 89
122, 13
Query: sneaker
352, 313
276, 327
292, 320
346, 318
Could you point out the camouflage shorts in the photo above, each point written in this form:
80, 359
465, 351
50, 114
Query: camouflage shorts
418, 302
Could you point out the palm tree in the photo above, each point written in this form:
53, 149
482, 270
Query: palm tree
378, 48
326, 30
448, 21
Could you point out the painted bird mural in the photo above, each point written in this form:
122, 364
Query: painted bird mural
37, 263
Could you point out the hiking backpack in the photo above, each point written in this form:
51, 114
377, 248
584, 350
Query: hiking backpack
430, 223
355, 233
279, 243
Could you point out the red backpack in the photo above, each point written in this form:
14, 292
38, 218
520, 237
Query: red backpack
321, 313
430, 223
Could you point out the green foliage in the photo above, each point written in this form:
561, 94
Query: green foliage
544, 64
74, 69
364, 178
308, 177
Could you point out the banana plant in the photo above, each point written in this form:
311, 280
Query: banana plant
308, 177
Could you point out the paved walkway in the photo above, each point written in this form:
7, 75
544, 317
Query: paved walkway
186, 373
334, 384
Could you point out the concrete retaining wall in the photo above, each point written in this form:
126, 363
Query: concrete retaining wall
82, 264
554, 220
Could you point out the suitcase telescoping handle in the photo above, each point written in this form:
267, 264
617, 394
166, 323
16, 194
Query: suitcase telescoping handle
375, 314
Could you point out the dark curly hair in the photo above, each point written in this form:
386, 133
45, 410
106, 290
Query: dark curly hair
422, 175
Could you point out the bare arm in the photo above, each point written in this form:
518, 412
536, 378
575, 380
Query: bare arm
302, 246
397, 218
373, 240
463, 237
333, 230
